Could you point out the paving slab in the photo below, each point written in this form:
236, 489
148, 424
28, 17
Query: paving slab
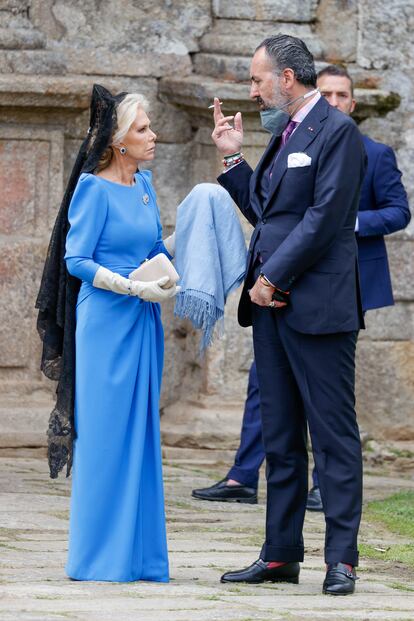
205, 539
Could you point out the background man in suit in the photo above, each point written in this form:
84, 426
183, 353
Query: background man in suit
302, 296
383, 209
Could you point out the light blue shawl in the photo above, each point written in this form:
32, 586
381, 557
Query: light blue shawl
210, 256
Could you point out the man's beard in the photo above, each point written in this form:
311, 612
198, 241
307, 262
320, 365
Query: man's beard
261, 103
268, 105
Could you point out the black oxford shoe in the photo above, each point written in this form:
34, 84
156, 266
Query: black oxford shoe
227, 493
314, 502
339, 580
259, 572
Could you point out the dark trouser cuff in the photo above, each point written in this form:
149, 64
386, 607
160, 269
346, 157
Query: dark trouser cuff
282, 554
342, 555
244, 477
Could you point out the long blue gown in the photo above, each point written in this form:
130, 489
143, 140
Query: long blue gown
117, 521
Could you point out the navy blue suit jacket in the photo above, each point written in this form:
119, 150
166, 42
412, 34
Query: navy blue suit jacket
383, 209
305, 226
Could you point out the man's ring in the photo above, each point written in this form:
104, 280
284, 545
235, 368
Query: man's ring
272, 304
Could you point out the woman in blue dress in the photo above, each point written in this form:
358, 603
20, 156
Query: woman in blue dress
117, 522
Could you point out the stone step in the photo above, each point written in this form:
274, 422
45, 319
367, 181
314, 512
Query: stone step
280, 11
229, 68
24, 424
197, 92
241, 37
62, 60
207, 424
208, 457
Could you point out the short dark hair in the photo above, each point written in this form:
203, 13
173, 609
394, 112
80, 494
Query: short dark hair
338, 70
290, 52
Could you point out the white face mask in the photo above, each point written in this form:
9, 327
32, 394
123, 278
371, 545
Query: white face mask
275, 120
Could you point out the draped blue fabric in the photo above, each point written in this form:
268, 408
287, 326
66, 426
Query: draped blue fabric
117, 521
210, 256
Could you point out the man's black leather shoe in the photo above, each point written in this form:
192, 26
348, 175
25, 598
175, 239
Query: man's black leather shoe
314, 502
227, 493
339, 580
259, 572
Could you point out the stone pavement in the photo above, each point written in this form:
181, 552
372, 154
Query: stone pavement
205, 539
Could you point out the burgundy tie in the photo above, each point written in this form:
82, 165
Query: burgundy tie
288, 131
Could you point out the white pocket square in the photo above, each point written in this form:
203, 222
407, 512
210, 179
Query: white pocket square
298, 160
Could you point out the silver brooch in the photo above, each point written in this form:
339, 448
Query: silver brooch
145, 199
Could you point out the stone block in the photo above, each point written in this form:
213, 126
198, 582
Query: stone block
385, 388
230, 357
229, 68
131, 63
332, 15
171, 125
23, 179
374, 102
205, 423
33, 157
15, 6
206, 163
241, 37
405, 158
63, 92
21, 38
24, 425
35, 61
195, 93
222, 66
124, 25
277, 10
401, 259
171, 178
31, 180
392, 323
127, 23
71, 150
385, 34
176, 357
21, 263
42, 16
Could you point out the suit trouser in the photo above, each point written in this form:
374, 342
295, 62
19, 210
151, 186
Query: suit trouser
250, 455
306, 378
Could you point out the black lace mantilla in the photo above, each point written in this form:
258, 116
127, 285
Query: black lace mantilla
58, 291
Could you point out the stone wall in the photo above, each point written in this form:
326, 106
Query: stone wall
181, 54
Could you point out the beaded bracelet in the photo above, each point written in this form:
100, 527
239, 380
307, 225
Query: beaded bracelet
231, 160
236, 154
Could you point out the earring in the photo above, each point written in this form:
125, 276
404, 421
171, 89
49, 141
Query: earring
122, 150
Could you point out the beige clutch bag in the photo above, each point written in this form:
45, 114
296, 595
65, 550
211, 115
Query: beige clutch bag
156, 268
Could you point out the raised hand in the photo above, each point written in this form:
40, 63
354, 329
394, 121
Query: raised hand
227, 139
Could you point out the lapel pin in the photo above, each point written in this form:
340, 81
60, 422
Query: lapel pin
310, 129
145, 199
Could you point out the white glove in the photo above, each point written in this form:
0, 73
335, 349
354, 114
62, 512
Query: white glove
169, 243
154, 290
149, 291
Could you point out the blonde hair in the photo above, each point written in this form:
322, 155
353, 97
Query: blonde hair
126, 111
